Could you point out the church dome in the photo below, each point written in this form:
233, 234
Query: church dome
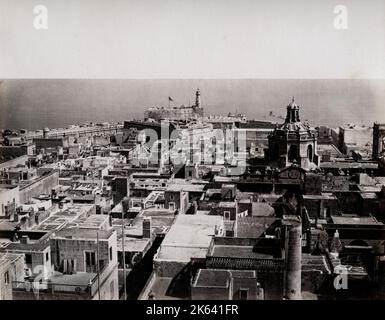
292, 121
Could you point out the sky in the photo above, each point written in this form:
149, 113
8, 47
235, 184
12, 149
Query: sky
192, 39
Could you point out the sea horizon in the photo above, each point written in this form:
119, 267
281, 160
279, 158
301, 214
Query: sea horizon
33, 104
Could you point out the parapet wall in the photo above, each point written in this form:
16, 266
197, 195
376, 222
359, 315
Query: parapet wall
42, 185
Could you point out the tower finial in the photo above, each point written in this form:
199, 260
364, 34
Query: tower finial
292, 99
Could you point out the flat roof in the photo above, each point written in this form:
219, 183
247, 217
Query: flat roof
349, 165
323, 195
232, 251
327, 147
369, 195
161, 220
160, 288
185, 187
354, 220
6, 187
380, 181
93, 221
262, 209
314, 262
61, 217
224, 204
190, 236
133, 244
83, 234
77, 279
369, 188
220, 277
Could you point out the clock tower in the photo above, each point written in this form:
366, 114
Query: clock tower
293, 142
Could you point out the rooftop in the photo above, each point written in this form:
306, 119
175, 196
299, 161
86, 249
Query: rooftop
6, 258
220, 277
262, 209
189, 236
134, 244
176, 187
224, 204
355, 220
232, 251
83, 234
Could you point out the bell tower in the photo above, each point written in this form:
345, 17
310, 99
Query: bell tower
292, 112
293, 142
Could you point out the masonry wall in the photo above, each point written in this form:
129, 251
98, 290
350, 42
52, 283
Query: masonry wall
312, 280
8, 196
320, 207
42, 143
75, 249
207, 293
172, 197
14, 162
40, 259
244, 283
273, 284
9, 152
43, 185
15, 272
168, 268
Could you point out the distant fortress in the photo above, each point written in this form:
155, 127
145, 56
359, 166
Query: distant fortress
176, 113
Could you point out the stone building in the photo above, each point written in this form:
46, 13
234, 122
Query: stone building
177, 113
293, 142
9, 200
378, 140
11, 270
217, 284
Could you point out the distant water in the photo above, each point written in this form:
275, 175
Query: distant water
34, 104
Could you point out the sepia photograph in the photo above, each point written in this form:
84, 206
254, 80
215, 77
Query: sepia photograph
169, 152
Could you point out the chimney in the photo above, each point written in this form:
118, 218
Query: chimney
24, 239
147, 228
125, 205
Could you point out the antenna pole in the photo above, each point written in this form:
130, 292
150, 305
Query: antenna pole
124, 261
97, 262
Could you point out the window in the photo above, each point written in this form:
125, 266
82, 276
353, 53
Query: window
310, 152
293, 153
110, 253
171, 205
6, 277
304, 240
243, 294
28, 258
227, 215
47, 256
90, 261
112, 290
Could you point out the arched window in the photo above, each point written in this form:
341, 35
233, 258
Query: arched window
310, 152
293, 153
